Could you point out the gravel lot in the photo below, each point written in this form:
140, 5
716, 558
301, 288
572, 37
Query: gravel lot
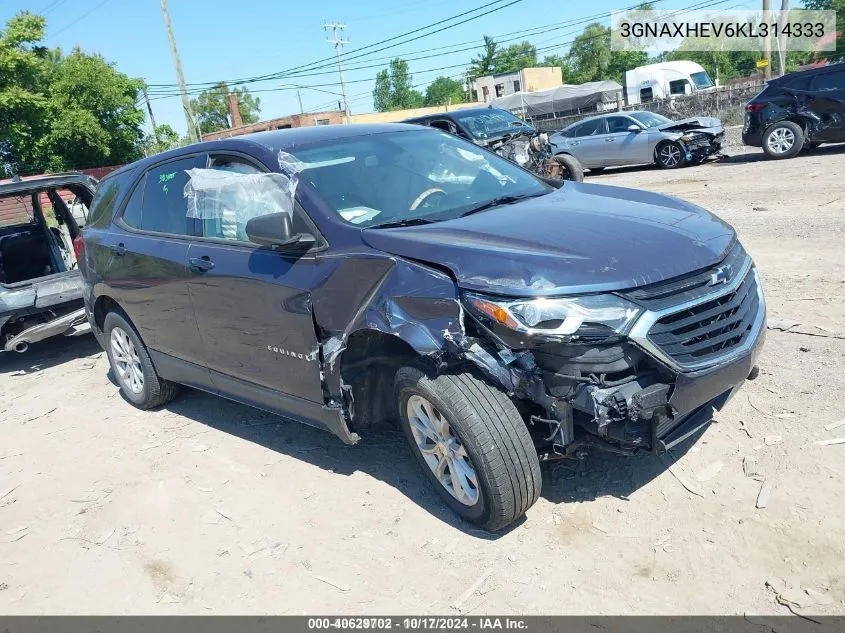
207, 506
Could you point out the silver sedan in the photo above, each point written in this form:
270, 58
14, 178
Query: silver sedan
639, 137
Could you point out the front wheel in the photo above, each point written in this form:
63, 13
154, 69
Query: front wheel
472, 444
783, 140
670, 155
565, 167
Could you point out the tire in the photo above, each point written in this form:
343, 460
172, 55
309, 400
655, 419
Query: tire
669, 155
572, 169
483, 430
784, 139
137, 378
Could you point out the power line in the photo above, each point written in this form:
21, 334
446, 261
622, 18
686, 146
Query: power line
77, 20
280, 74
700, 5
357, 97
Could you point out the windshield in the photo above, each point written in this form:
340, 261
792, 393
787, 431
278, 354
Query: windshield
650, 119
702, 80
409, 176
491, 123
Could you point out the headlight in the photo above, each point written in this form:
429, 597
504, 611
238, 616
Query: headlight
588, 316
688, 138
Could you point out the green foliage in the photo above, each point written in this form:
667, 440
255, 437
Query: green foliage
494, 60
394, 89
164, 138
62, 112
839, 7
485, 63
444, 91
211, 108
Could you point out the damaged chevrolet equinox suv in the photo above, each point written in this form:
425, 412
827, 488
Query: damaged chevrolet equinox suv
344, 275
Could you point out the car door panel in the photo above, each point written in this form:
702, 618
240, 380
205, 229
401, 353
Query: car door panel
826, 102
253, 309
626, 147
252, 304
145, 269
588, 144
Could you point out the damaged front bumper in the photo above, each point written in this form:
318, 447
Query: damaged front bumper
681, 361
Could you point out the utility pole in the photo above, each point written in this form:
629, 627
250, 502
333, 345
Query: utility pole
767, 43
781, 41
186, 105
299, 96
149, 109
338, 41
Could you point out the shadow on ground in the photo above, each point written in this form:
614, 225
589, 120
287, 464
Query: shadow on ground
384, 454
49, 353
756, 155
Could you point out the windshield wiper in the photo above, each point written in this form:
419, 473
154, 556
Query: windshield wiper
405, 222
501, 200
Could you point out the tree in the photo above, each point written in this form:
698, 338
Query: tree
839, 7
589, 54
515, 57
394, 89
163, 139
444, 91
62, 112
485, 64
211, 108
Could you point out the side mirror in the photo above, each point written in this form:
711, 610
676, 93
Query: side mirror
276, 231
634, 128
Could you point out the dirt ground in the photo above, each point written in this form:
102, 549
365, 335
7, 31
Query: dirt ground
209, 507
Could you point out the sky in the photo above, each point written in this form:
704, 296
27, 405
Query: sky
220, 40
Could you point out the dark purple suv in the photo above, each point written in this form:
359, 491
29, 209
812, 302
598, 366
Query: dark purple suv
344, 275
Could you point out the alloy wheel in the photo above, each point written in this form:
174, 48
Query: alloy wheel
442, 450
781, 140
670, 155
127, 363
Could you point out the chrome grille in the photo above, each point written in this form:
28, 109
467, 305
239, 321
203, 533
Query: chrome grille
709, 330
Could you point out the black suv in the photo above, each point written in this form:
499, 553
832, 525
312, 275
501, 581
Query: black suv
345, 275
797, 111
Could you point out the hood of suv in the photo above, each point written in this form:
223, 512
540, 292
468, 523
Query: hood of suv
581, 238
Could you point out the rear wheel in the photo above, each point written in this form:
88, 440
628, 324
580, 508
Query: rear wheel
131, 365
669, 155
471, 443
783, 140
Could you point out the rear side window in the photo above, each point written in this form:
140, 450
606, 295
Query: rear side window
163, 206
830, 81
798, 83
102, 207
589, 128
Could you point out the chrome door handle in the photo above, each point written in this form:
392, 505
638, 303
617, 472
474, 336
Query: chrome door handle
200, 264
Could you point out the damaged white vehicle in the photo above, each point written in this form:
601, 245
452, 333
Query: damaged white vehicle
40, 286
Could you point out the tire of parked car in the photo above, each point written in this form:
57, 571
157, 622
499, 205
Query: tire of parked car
784, 139
669, 155
570, 167
131, 365
472, 444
